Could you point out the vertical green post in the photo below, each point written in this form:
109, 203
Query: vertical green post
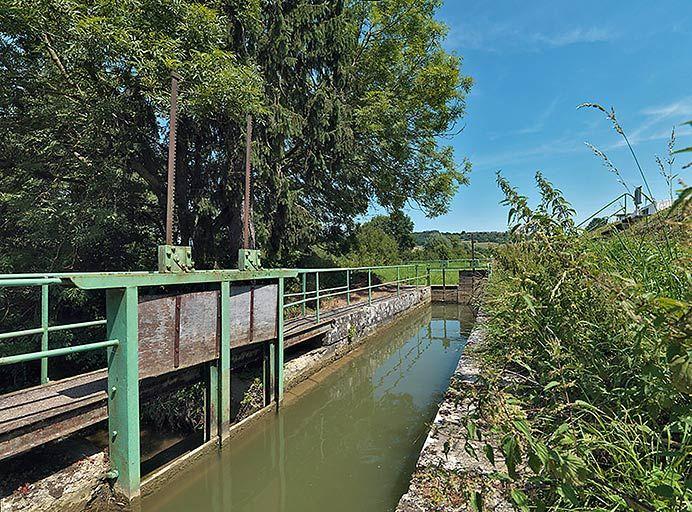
317, 296
369, 286
304, 288
279, 384
427, 275
123, 389
220, 371
348, 286
398, 280
416, 280
444, 279
44, 334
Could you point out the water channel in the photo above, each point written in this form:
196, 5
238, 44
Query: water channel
347, 439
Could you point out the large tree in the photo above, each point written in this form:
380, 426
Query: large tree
350, 99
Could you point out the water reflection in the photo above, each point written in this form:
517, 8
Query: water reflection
351, 439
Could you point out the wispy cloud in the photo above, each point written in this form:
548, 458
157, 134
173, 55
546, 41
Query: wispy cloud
575, 36
658, 121
501, 36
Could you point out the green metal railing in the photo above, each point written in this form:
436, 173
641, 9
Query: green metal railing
122, 345
318, 294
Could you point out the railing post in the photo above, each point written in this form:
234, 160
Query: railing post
317, 296
398, 280
427, 275
416, 280
369, 286
220, 371
279, 383
44, 334
304, 290
348, 287
123, 390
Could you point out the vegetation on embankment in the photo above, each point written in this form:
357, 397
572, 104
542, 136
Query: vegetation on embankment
588, 360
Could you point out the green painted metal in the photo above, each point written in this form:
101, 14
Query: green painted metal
218, 400
304, 279
44, 334
79, 325
17, 280
96, 281
317, 296
224, 363
44, 354
398, 280
416, 281
18, 334
348, 287
175, 258
123, 389
369, 286
279, 384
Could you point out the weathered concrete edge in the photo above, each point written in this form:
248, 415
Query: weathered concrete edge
444, 457
86, 484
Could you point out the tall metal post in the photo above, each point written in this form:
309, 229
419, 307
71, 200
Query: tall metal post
369, 286
416, 280
220, 371
398, 280
304, 285
317, 296
427, 276
123, 390
248, 170
473, 253
170, 193
44, 333
348, 287
279, 384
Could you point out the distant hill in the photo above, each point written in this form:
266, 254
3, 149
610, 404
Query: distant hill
464, 236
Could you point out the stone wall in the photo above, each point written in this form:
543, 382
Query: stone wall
351, 330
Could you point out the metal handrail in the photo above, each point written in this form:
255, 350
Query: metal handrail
32, 356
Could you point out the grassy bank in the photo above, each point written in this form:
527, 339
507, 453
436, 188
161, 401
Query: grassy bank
587, 375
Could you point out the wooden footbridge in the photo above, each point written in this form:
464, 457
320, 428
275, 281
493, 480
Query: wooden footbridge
166, 330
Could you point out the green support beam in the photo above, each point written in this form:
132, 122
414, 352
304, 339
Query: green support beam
279, 384
123, 390
44, 334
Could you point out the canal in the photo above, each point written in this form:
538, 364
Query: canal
347, 439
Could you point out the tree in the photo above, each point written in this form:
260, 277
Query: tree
350, 100
373, 246
399, 226
438, 247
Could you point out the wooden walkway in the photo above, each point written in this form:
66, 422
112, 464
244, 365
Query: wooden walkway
35, 416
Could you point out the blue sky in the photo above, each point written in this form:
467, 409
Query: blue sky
533, 63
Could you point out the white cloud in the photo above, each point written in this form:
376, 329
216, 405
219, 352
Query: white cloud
498, 36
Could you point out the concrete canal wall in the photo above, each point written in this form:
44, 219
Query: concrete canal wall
446, 473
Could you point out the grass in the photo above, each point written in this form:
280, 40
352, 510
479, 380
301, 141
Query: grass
588, 364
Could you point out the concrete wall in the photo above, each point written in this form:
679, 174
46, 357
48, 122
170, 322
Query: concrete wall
351, 330
471, 283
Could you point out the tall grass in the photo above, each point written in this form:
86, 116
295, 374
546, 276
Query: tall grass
588, 361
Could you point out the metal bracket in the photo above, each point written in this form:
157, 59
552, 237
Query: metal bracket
175, 258
249, 259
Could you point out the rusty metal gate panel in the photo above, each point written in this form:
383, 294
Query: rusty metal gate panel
253, 314
177, 332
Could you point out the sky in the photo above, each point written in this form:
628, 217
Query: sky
532, 64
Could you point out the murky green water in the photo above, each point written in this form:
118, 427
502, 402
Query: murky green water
345, 441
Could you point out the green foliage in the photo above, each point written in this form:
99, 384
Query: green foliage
595, 333
373, 246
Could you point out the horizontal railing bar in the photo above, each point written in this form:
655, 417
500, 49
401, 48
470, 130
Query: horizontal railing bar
32, 356
52, 328
19, 334
352, 290
343, 269
30, 281
79, 325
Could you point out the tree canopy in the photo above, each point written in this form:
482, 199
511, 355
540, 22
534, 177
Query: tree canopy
350, 99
